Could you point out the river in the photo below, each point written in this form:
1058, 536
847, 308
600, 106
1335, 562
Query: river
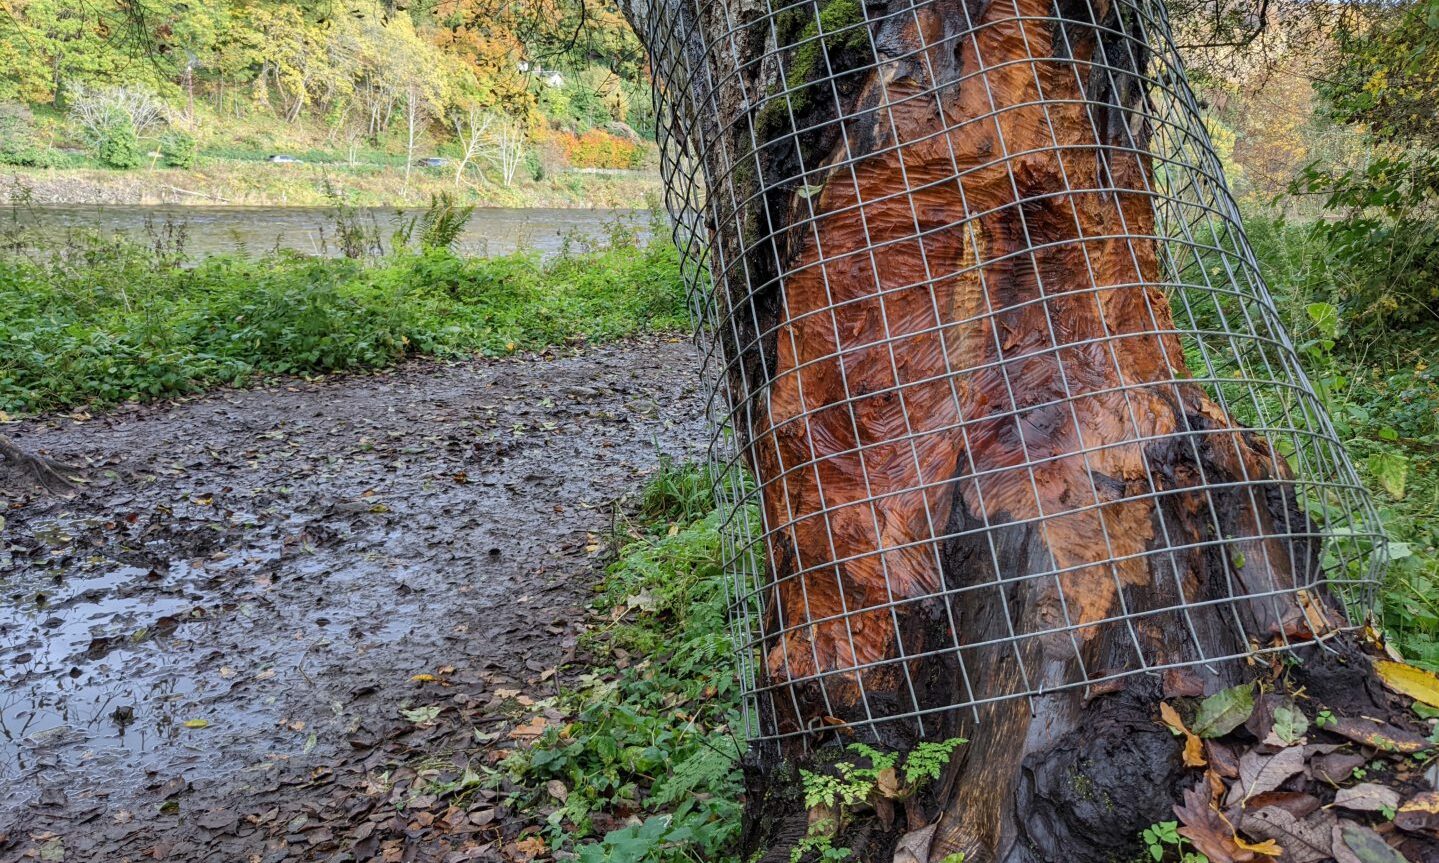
209, 230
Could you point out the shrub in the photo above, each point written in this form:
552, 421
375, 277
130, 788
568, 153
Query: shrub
1384, 236
600, 149
178, 149
113, 119
119, 147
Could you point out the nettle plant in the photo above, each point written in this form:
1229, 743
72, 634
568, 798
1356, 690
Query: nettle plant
833, 797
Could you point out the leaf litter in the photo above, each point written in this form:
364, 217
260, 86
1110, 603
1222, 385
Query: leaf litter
1299, 776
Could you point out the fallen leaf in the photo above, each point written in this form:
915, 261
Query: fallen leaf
532, 728
1296, 803
1268, 847
1193, 746
1419, 814
1290, 723
1210, 832
1222, 759
1259, 773
1407, 680
1335, 768
217, 819
1305, 840
1377, 735
1367, 798
1368, 846
481, 817
1224, 711
531, 847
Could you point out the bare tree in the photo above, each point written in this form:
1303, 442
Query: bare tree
507, 147
414, 113
98, 109
472, 127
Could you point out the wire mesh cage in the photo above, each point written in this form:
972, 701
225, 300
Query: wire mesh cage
1002, 406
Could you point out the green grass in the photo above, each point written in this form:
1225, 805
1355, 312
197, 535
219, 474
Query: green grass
649, 762
101, 322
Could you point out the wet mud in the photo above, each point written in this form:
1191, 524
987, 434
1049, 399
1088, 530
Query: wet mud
263, 603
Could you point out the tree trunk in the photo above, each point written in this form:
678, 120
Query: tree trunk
986, 474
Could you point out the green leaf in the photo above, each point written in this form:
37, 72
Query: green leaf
1289, 723
1224, 711
1325, 318
1391, 469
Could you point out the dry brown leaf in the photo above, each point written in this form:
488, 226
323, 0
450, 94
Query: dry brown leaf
531, 847
1211, 832
1223, 759
1336, 767
1377, 735
1305, 840
1419, 814
1193, 746
534, 727
1367, 798
557, 790
1259, 773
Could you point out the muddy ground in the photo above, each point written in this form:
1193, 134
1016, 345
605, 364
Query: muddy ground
237, 640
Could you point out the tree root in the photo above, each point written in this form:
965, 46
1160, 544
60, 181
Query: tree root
54, 477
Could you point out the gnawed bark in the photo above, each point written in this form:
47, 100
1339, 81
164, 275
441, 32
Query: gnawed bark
961, 389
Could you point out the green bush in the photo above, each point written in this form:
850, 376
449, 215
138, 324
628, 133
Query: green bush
178, 149
117, 146
1384, 237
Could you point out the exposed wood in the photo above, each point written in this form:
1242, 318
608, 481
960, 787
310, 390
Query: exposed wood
941, 311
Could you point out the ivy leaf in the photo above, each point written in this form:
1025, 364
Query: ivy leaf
1224, 711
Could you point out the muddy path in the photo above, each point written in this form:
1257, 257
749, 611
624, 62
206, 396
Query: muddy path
208, 653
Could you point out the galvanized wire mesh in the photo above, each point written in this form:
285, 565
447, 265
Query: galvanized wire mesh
971, 284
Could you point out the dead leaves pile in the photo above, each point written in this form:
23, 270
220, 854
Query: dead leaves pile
1286, 781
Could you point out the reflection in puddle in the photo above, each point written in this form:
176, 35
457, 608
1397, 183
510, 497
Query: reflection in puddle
96, 660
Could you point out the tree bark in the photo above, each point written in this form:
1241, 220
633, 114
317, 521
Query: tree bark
959, 385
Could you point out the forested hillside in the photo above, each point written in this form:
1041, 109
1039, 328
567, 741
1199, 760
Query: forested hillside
485, 93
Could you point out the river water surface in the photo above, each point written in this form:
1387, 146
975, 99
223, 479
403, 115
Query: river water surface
312, 230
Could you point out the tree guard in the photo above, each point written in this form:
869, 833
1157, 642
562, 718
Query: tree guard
1024, 425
